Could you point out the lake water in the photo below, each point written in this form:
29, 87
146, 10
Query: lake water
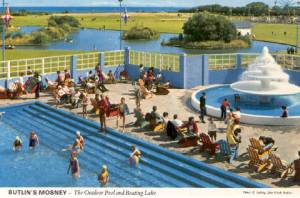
90, 39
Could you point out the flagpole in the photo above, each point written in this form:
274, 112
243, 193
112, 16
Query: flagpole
120, 24
3, 40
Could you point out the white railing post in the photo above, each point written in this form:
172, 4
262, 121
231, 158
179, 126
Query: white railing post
43, 66
8, 69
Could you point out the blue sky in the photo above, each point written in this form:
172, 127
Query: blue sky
173, 3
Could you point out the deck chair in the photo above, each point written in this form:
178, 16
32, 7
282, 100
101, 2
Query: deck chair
279, 166
207, 144
95, 106
225, 149
259, 162
254, 143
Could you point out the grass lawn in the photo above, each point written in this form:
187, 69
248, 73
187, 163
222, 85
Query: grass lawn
27, 54
264, 32
162, 22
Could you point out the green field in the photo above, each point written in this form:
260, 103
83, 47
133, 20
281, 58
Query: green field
27, 54
264, 32
162, 22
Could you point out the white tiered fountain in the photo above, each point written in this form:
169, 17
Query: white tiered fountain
266, 78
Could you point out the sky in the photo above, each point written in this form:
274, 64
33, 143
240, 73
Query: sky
142, 3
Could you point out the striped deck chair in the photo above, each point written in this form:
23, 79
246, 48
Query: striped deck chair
279, 166
259, 162
225, 149
254, 143
207, 144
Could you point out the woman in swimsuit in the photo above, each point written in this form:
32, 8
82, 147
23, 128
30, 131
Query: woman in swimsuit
33, 140
103, 177
123, 110
17, 145
74, 165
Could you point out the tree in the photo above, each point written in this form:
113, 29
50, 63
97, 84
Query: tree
258, 8
206, 27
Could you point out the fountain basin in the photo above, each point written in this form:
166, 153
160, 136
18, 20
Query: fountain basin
255, 87
253, 111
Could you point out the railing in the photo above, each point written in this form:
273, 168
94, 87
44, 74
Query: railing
169, 62
88, 61
221, 61
246, 59
290, 62
113, 58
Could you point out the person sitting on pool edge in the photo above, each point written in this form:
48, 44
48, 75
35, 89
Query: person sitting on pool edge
74, 165
135, 156
103, 177
17, 145
285, 113
33, 140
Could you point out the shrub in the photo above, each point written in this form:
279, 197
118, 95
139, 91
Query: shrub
140, 33
60, 20
40, 37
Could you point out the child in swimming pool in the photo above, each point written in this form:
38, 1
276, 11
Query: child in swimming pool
17, 145
103, 177
33, 140
135, 156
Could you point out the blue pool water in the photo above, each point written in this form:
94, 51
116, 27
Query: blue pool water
252, 104
46, 166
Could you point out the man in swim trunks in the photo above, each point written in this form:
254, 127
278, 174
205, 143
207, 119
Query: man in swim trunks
135, 156
103, 177
33, 140
74, 166
17, 145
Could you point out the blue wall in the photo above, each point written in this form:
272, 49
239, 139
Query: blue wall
193, 72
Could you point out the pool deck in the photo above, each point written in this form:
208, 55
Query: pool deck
178, 102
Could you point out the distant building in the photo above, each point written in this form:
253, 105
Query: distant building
243, 27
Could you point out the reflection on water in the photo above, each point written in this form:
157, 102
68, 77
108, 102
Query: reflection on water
90, 39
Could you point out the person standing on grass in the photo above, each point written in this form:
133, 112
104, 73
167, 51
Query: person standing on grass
123, 110
202, 107
103, 108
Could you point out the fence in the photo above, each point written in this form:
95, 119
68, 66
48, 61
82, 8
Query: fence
221, 61
161, 61
88, 61
114, 58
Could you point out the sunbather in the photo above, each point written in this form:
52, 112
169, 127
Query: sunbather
297, 168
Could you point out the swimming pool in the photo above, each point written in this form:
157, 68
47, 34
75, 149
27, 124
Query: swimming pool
46, 166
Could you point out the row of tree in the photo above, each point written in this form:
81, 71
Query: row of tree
251, 9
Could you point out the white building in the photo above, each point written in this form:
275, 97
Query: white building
243, 27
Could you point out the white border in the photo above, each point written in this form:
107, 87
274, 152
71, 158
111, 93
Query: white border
247, 118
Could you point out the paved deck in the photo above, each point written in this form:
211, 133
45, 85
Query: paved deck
286, 138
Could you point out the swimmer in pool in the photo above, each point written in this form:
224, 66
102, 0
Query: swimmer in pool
103, 177
80, 138
74, 165
33, 140
77, 146
17, 145
135, 156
